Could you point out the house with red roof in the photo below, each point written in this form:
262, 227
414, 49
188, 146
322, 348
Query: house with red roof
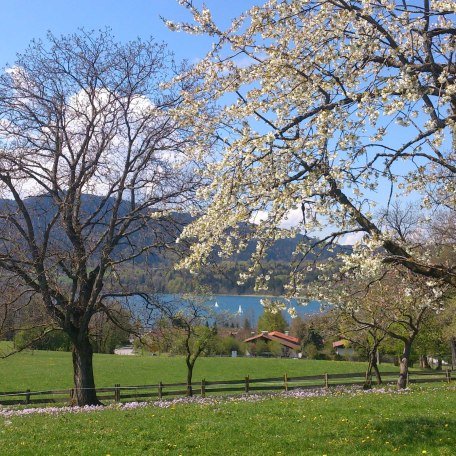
291, 346
342, 348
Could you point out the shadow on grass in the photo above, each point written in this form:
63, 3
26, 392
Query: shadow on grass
432, 433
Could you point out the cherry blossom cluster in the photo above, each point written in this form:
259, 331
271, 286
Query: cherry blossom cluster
313, 106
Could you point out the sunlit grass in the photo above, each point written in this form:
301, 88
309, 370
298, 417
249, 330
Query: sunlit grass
41, 369
422, 422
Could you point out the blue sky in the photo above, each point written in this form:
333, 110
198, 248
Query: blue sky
23, 20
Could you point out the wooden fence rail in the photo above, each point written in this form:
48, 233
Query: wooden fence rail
119, 393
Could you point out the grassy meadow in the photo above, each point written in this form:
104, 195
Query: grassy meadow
417, 423
39, 370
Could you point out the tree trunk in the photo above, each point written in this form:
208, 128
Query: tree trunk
453, 352
189, 378
439, 363
377, 375
404, 364
375, 368
424, 362
84, 382
368, 380
372, 366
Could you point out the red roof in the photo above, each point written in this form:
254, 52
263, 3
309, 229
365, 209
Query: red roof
339, 343
283, 339
284, 336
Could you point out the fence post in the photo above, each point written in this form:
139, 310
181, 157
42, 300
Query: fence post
326, 381
117, 392
27, 397
203, 387
407, 380
247, 384
285, 382
72, 396
160, 390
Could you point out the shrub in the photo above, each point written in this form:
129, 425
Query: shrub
40, 339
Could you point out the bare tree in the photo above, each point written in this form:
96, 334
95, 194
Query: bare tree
20, 311
90, 174
365, 336
185, 326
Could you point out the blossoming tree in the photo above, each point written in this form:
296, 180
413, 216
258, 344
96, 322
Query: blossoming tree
382, 301
324, 105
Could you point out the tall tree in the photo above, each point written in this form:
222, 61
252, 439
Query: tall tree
272, 320
90, 170
330, 101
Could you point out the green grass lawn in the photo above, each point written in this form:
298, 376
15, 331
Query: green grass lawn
39, 370
421, 422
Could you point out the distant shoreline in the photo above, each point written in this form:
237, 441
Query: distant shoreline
249, 295
254, 296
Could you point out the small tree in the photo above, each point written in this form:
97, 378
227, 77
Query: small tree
187, 323
108, 331
385, 301
272, 320
364, 337
308, 330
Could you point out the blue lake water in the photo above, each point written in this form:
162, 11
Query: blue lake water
250, 307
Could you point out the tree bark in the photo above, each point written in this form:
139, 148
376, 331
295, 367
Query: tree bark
368, 379
372, 366
424, 362
84, 382
404, 365
375, 368
189, 378
439, 363
453, 351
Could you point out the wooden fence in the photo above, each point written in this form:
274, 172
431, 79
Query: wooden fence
159, 391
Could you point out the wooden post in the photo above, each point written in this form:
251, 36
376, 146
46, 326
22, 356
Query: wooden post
203, 387
285, 382
72, 396
160, 390
247, 384
27, 397
449, 376
407, 380
326, 381
117, 392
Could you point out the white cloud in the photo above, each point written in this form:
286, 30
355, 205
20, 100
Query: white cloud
258, 217
292, 219
352, 238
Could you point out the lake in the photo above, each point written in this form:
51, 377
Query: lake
250, 307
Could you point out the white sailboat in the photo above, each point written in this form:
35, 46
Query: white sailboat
216, 305
239, 310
